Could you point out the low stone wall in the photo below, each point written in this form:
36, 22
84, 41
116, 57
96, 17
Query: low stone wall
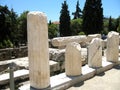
10, 53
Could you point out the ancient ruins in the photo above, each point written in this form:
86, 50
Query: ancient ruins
77, 58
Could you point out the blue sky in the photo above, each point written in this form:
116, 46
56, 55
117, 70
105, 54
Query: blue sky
52, 7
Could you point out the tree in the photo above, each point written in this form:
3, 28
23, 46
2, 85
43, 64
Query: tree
117, 23
113, 24
13, 26
52, 30
105, 26
118, 29
78, 12
23, 27
5, 27
110, 26
4, 23
76, 26
64, 26
92, 17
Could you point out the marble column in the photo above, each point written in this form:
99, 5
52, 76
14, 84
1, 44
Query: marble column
38, 51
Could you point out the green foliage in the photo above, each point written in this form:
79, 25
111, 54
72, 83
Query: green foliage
23, 27
110, 26
118, 24
81, 33
118, 29
64, 26
78, 12
52, 30
4, 23
113, 24
8, 27
76, 26
6, 44
93, 17
13, 26
105, 26
13, 29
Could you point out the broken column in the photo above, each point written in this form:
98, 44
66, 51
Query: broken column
95, 53
38, 51
73, 59
112, 51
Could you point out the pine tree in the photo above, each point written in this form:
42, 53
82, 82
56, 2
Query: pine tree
64, 26
93, 17
117, 23
110, 25
78, 12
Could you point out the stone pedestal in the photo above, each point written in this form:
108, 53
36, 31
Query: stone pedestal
38, 52
112, 52
73, 59
95, 53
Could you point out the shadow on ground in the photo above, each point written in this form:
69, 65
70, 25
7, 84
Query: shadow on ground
79, 84
117, 67
101, 74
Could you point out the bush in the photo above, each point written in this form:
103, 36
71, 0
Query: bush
52, 30
76, 26
81, 33
1, 45
6, 44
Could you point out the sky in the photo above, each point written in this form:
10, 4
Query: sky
52, 7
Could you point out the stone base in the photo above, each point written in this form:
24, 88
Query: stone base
62, 82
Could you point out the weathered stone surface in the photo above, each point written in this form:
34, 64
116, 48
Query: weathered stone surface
38, 51
73, 61
112, 51
57, 54
63, 41
9, 53
4, 78
95, 53
91, 36
18, 63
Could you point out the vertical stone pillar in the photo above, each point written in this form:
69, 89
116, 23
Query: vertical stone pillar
95, 53
38, 52
112, 51
12, 85
73, 59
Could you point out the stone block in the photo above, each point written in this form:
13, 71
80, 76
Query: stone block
112, 52
63, 41
91, 36
95, 53
73, 61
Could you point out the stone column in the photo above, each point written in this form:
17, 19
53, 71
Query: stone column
73, 59
95, 53
38, 51
112, 52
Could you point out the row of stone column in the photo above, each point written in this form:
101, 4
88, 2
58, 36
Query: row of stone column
38, 52
73, 54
